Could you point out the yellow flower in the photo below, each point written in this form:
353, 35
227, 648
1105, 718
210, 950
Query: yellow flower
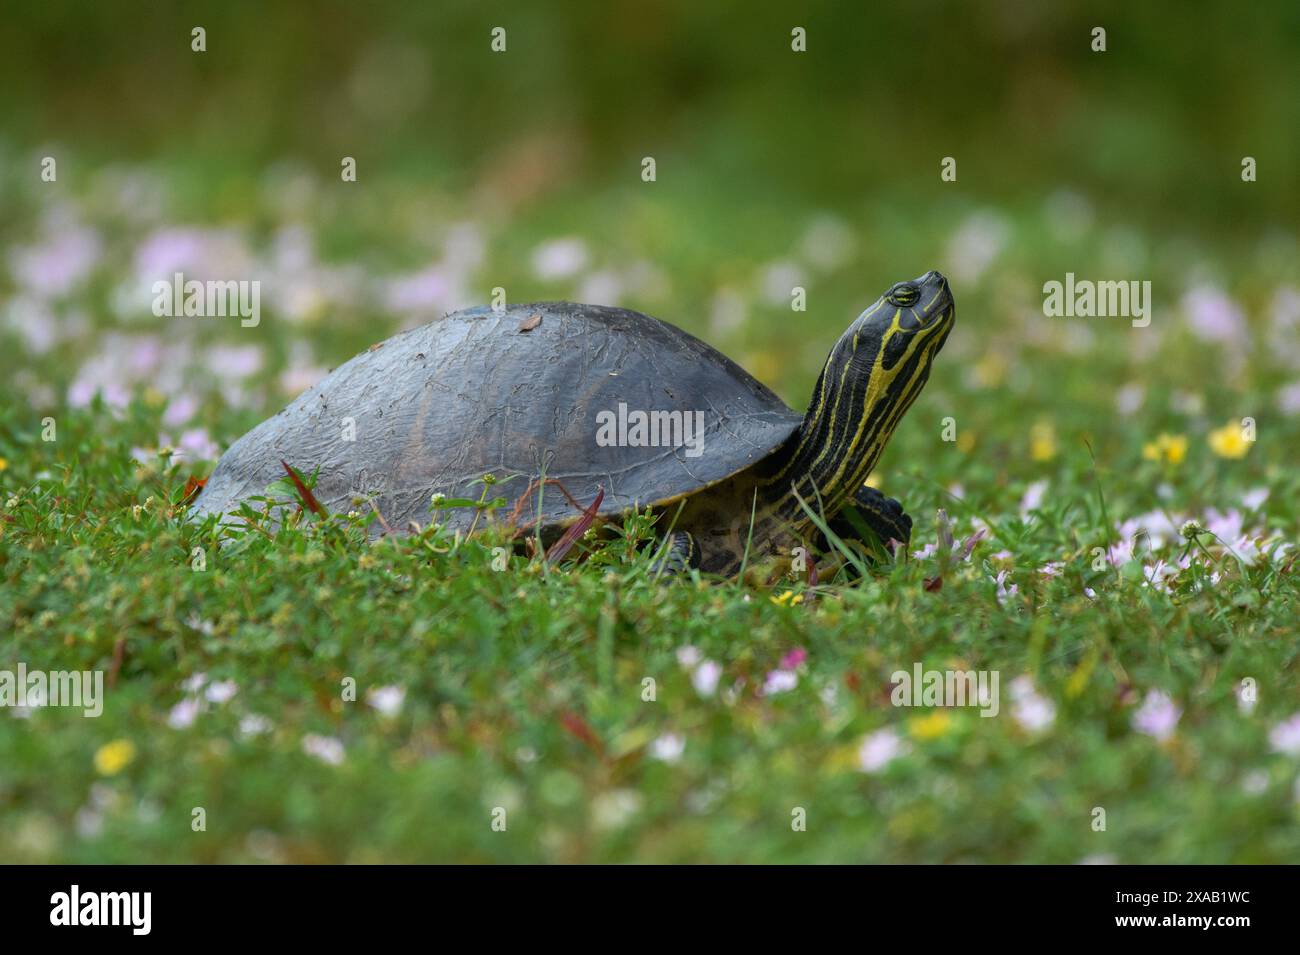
4, 463
1042, 442
112, 758
931, 726
1229, 441
990, 370
787, 599
1171, 448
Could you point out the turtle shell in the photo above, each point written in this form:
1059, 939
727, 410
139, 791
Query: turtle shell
515, 393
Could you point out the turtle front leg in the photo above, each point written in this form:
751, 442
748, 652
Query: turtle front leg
682, 554
881, 514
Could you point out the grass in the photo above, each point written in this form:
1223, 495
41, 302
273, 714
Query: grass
524, 688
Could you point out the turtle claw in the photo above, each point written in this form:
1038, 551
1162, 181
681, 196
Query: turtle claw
884, 515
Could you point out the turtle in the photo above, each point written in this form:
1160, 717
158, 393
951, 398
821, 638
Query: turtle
617, 409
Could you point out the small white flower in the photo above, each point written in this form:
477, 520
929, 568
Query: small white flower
1033, 712
731, 694
1255, 782
1246, 550
327, 749
689, 656
221, 692
1129, 399
880, 748
780, 681
778, 278
89, 823
254, 725
668, 748
706, 676
386, 699
195, 683
559, 259
183, 714
614, 809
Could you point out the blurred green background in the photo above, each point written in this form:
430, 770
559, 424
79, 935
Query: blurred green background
1157, 124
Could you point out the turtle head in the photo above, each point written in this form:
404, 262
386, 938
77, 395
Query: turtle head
873, 374
910, 318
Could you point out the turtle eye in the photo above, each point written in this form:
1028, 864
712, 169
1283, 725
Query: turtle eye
904, 295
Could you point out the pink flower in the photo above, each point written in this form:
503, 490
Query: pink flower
1158, 716
1213, 316
180, 410
794, 658
295, 380
1288, 399
1285, 737
196, 444
1157, 574
34, 322
182, 715
1005, 591
1120, 553
234, 361
1033, 498
426, 291
559, 259
198, 253
1225, 526
1254, 499
1156, 526
56, 267
84, 388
